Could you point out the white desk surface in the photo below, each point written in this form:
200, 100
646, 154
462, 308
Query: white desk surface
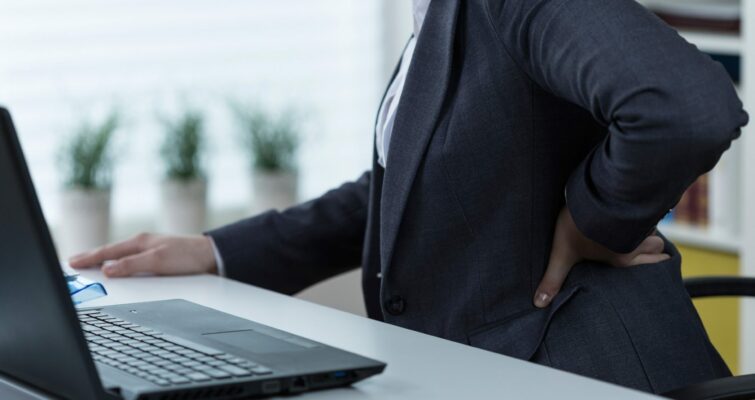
419, 366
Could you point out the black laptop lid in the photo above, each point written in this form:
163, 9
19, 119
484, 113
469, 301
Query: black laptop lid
40, 341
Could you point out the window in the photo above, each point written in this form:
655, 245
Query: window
63, 62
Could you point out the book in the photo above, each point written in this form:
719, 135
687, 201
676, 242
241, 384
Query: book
692, 208
713, 15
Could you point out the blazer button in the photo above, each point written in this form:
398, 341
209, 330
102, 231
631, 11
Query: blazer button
395, 305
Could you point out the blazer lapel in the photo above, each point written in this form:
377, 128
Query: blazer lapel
419, 109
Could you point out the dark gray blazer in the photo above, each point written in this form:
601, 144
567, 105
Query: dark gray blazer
507, 105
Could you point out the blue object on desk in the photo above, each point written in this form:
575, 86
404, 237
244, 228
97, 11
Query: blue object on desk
83, 289
80, 288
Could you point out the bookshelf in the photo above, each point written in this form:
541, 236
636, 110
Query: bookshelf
725, 210
719, 240
714, 42
729, 248
747, 248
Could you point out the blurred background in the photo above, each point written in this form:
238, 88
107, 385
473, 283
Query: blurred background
64, 63
266, 103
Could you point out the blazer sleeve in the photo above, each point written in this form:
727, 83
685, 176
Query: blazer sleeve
290, 250
670, 110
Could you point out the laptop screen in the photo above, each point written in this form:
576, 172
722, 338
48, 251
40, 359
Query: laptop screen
41, 343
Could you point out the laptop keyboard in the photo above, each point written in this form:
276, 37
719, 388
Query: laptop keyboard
157, 357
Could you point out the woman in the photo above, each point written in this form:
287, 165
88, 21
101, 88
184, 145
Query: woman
525, 151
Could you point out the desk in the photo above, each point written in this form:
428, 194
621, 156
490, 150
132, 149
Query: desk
419, 366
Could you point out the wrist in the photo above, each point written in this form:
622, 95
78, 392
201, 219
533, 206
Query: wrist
207, 257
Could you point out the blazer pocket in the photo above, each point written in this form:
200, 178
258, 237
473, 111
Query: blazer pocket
520, 334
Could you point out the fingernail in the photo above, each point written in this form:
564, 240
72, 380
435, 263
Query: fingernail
111, 270
542, 300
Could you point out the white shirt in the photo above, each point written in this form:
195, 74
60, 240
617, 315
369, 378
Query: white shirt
387, 112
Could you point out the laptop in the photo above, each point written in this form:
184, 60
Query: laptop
163, 350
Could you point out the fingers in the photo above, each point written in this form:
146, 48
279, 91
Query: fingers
649, 259
563, 256
651, 245
648, 252
555, 275
110, 252
146, 261
561, 261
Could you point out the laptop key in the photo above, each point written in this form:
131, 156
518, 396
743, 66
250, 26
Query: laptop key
198, 377
111, 335
191, 363
235, 371
179, 380
183, 371
260, 370
216, 373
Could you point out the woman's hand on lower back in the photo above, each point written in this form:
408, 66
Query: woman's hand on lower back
570, 246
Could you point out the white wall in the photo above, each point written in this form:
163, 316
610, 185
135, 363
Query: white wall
65, 61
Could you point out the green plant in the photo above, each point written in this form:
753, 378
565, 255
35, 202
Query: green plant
86, 159
183, 146
271, 141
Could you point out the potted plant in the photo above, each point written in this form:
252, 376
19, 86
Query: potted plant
86, 161
184, 189
272, 143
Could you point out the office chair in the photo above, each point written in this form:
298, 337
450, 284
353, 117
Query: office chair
731, 388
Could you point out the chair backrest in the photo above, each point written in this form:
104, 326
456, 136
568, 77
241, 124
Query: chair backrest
715, 286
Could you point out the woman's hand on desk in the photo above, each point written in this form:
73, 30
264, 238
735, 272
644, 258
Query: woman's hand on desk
570, 246
152, 254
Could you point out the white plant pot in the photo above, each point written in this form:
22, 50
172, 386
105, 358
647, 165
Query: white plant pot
274, 190
183, 207
85, 222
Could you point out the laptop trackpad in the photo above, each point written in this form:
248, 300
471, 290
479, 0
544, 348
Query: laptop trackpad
255, 342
